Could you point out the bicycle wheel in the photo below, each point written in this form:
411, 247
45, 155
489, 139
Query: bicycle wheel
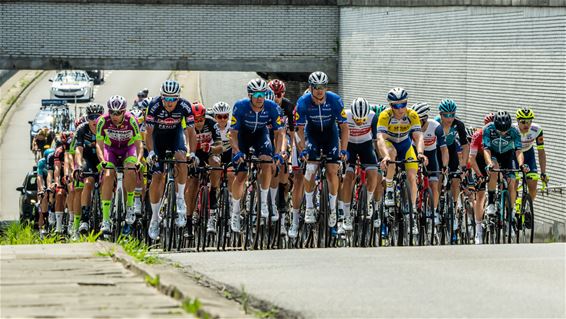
171, 210
203, 216
322, 221
509, 224
526, 229
361, 216
427, 218
95, 212
449, 220
118, 215
469, 223
223, 215
258, 235
406, 208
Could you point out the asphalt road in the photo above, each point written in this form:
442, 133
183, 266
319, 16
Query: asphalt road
15, 157
509, 281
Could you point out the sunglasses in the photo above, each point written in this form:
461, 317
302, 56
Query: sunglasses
199, 119
279, 95
92, 117
447, 115
257, 95
362, 120
170, 98
398, 105
318, 87
116, 113
525, 121
222, 117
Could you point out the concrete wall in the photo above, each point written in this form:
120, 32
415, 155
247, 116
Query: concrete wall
486, 58
175, 35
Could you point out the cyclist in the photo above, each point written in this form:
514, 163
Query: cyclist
363, 130
165, 133
60, 181
317, 115
395, 128
209, 148
531, 133
221, 111
42, 140
142, 95
250, 119
118, 143
501, 149
41, 188
434, 142
85, 151
455, 133
139, 113
478, 165
280, 183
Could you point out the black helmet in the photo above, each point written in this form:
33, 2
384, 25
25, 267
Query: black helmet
142, 94
94, 108
502, 121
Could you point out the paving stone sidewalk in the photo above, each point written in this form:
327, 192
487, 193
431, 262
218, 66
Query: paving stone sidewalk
71, 281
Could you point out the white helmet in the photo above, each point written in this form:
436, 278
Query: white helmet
170, 87
397, 94
318, 78
422, 109
116, 103
269, 95
360, 108
257, 85
221, 108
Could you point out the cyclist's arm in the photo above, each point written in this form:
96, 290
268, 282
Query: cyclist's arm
40, 181
191, 136
301, 133
464, 143
344, 136
149, 138
68, 165
234, 141
419, 141
79, 155
49, 178
487, 156
279, 136
57, 173
216, 147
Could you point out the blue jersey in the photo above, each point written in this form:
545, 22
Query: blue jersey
42, 167
244, 118
320, 117
165, 122
498, 143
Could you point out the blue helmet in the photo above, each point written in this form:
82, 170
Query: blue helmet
447, 106
47, 152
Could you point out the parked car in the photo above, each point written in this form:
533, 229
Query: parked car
97, 75
71, 85
28, 197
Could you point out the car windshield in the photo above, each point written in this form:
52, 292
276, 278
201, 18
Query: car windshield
31, 184
43, 117
71, 76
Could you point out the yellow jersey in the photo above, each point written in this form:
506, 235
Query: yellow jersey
398, 130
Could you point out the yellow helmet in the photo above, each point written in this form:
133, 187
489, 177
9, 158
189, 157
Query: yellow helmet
525, 113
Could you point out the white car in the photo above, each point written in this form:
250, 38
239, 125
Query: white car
71, 85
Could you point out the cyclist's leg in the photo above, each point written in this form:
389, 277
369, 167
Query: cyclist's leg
180, 150
330, 148
214, 161
369, 162
508, 161
264, 150
241, 176
392, 153
492, 184
480, 194
108, 179
412, 169
529, 157
433, 166
313, 149
130, 176
453, 166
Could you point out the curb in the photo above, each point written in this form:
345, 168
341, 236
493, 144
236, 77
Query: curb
177, 284
20, 95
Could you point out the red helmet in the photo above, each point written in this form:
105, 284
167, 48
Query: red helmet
488, 118
198, 109
277, 86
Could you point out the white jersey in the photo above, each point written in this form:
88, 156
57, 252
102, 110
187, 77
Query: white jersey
528, 139
433, 136
225, 136
362, 133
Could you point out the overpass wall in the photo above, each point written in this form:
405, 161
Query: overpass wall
486, 58
171, 35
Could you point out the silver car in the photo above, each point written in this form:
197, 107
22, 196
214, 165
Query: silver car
71, 85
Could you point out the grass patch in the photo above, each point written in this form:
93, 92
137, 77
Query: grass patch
267, 314
154, 282
245, 299
137, 249
92, 237
24, 234
193, 306
107, 253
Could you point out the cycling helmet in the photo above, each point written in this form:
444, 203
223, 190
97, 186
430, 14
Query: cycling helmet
145, 92
47, 152
198, 109
170, 87
80, 120
422, 110
138, 114
221, 108
257, 85
525, 113
116, 103
144, 104
277, 86
397, 94
447, 106
378, 108
470, 132
269, 95
488, 118
502, 121
142, 95
65, 137
94, 108
318, 78
359, 108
